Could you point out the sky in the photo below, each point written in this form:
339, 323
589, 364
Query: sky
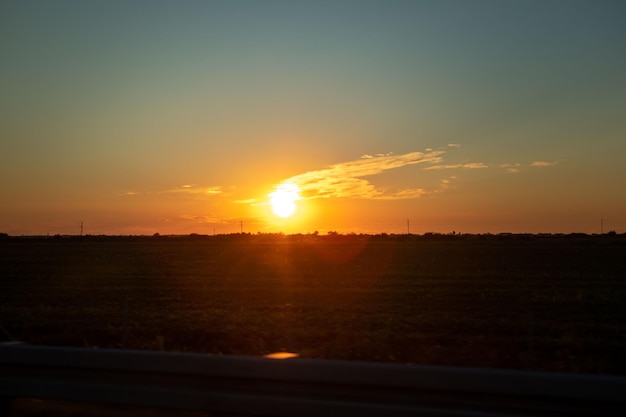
177, 117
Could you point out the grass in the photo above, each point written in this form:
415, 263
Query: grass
520, 302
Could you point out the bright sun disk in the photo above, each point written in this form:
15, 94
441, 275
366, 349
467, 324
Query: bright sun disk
283, 199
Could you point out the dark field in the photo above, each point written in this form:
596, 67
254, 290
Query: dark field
523, 302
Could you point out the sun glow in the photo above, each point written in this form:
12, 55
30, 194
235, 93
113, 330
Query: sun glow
283, 199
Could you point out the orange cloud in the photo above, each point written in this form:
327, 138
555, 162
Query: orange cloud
195, 189
544, 164
346, 179
183, 189
471, 165
517, 167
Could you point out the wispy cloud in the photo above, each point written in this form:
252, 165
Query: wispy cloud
471, 165
378, 155
411, 193
544, 164
518, 167
190, 189
349, 179
246, 201
511, 168
195, 189
346, 179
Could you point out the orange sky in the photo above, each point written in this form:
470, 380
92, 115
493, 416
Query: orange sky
146, 117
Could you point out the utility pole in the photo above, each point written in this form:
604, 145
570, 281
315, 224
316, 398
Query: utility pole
601, 226
408, 229
241, 226
81, 228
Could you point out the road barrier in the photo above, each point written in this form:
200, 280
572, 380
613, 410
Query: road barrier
297, 387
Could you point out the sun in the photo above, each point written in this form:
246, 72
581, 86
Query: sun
283, 199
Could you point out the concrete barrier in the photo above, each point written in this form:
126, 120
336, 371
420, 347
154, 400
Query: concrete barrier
297, 387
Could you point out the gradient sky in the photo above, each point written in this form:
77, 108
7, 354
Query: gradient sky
137, 117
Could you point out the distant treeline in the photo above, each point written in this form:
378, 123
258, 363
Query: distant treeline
330, 236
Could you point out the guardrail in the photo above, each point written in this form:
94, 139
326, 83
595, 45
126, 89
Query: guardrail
297, 387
